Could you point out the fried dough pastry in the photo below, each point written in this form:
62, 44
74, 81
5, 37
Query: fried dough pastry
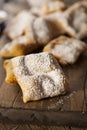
66, 50
19, 46
44, 30
17, 25
44, 26
49, 7
53, 6
74, 20
37, 32
38, 75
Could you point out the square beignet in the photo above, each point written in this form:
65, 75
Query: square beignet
65, 49
38, 75
74, 20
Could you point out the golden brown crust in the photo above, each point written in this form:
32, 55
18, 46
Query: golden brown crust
10, 77
17, 47
51, 44
17, 50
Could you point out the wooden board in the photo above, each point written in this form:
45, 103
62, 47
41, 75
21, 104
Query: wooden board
70, 109
67, 110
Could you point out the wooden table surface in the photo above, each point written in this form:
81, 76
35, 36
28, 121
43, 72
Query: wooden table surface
68, 111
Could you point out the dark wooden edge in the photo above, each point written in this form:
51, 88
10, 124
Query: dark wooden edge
43, 117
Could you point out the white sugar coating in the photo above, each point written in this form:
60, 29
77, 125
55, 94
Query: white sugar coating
39, 76
53, 6
60, 23
76, 17
36, 11
23, 37
62, 19
41, 62
48, 7
67, 50
18, 41
17, 25
3, 16
25, 43
38, 3
42, 30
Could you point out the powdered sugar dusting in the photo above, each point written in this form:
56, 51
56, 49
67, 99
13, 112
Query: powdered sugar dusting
39, 76
67, 50
18, 24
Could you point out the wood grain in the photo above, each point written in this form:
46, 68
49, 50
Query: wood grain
35, 127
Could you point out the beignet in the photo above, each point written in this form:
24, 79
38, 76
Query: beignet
74, 20
17, 25
19, 46
48, 7
38, 75
66, 50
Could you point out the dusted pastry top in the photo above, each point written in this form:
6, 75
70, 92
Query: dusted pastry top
38, 75
65, 49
